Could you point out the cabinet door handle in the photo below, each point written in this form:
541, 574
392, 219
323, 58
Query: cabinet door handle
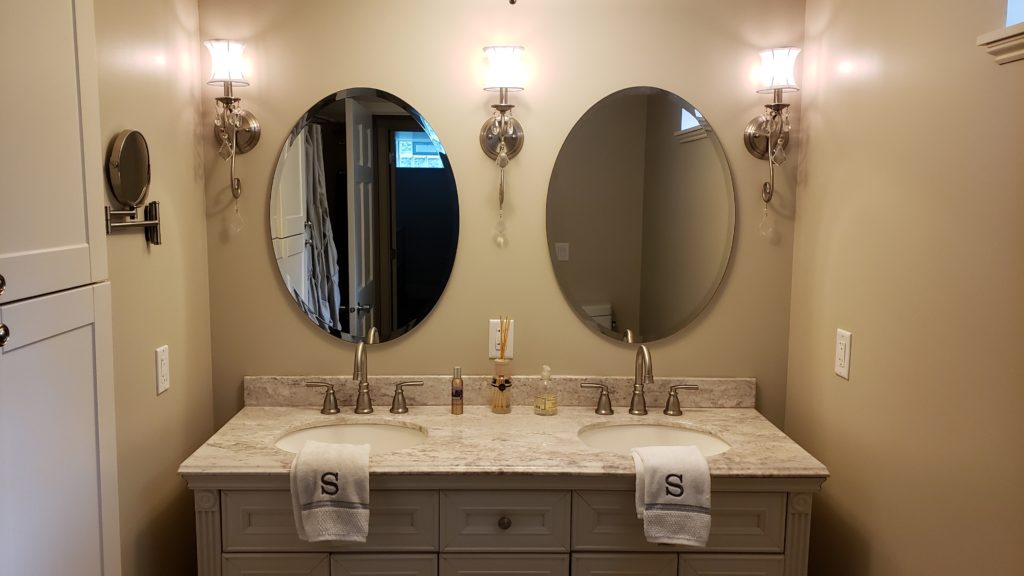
504, 522
5, 334
3, 284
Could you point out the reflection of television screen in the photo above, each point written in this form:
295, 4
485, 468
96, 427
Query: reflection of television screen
416, 150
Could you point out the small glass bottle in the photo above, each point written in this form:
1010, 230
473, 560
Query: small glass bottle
546, 402
457, 390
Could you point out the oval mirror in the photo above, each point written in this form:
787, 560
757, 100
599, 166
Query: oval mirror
364, 215
640, 215
128, 169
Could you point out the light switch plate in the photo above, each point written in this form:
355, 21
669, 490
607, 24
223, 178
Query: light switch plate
163, 369
494, 339
842, 368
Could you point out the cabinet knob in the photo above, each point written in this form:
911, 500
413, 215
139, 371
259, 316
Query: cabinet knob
5, 333
504, 522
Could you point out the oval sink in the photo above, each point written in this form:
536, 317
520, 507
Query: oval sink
622, 437
381, 437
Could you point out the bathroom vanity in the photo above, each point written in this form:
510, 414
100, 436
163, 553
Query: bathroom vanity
502, 494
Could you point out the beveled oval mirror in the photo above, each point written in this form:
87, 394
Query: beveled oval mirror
128, 168
640, 215
364, 215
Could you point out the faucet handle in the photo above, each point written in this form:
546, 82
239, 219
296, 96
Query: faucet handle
672, 402
398, 405
604, 401
330, 400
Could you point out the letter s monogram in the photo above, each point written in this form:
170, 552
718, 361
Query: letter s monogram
674, 485
329, 483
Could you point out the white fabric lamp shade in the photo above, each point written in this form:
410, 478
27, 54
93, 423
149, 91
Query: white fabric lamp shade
504, 68
226, 56
777, 70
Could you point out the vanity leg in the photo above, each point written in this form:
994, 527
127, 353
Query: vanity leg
798, 533
208, 532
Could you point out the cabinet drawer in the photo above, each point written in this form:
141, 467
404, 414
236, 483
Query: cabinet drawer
276, 565
384, 565
717, 565
533, 521
624, 564
740, 522
504, 565
263, 521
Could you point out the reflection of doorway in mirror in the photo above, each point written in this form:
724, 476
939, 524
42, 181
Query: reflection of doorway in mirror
359, 134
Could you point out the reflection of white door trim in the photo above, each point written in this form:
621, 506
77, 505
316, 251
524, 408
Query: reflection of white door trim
1005, 44
690, 134
359, 134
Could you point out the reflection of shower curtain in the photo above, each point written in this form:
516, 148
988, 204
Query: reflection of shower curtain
324, 293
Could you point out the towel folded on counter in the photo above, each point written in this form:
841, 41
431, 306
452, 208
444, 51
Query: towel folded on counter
673, 494
330, 486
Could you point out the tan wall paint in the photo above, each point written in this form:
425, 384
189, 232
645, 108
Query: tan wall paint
149, 81
910, 235
429, 53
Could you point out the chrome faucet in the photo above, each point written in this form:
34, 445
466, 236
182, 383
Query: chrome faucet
360, 373
644, 375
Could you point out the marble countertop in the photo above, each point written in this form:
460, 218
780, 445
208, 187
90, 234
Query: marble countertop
521, 443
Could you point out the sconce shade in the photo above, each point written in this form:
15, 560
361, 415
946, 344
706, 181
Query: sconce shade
504, 68
226, 56
777, 66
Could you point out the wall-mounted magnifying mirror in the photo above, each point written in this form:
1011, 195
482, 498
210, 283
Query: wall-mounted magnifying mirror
129, 175
364, 215
640, 215
128, 168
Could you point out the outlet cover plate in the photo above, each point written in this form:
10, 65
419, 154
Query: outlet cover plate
494, 339
163, 369
842, 367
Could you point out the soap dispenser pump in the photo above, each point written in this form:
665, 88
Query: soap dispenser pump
546, 402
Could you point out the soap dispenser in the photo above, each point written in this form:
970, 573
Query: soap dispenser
546, 402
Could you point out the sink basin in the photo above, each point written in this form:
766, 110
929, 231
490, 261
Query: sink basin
622, 437
380, 436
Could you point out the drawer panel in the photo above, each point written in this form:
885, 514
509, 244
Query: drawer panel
276, 565
527, 521
262, 521
384, 565
624, 564
504, 565
740, 522
730, 564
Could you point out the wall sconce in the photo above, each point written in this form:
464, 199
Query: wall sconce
501, 136
237, 130
767, 135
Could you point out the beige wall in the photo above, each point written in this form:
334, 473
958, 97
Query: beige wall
149, 81
599, 213
429, 53
910, 235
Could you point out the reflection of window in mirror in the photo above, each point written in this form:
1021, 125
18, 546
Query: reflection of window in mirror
688, 119
416, 150
690, 127
1014, 12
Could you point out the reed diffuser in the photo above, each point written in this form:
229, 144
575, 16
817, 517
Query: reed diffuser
501, 396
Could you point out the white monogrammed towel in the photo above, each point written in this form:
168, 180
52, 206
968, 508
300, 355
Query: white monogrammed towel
673, 494
331, 492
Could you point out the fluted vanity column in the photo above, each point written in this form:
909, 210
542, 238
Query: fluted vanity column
798, 533
208, 532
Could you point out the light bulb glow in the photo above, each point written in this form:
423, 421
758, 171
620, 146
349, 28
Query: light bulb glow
226, 58
777, 70
504, 68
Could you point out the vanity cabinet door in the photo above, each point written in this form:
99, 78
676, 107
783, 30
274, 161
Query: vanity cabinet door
276, 565
624, 564
504, 565
717, 565
740, 522
384, 565
522, 521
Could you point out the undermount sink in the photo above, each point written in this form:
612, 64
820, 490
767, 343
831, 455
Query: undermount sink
622, 437
381, 437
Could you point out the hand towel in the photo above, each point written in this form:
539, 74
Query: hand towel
331, 492
673, 494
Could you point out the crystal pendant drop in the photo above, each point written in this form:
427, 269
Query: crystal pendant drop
237, 222
767, 226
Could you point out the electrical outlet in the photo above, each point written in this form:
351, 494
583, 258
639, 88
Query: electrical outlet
163, 369
843, 353
494, 339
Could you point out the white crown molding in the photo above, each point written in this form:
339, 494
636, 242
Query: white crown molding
1005, 44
